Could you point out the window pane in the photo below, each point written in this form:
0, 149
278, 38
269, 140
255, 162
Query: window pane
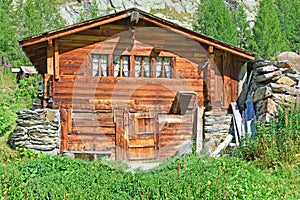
104, 65
158, 67
125, 66
138, 66
167, 66
146, 67
116, 66
95, 59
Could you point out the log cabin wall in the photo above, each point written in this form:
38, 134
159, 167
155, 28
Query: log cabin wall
97, 104
223, 77
116, 77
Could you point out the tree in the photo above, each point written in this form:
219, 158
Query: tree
37, 16
267, 38
243, 27
289, 17
213, 19
9, 34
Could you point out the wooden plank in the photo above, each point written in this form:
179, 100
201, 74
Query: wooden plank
56, 59
199, 129
50, 58
71, 30
64, 130
237, 122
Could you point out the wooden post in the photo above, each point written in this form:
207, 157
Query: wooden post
50, 57
199, 129
56, 59
64, 130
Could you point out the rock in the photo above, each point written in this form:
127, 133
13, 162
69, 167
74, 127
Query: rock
39, 130
266, 69
268, 76
41, 147
262, 93
295, 77
286, 81
277, 88
292, 91
282, 98
266, 117
262, 63
266, 106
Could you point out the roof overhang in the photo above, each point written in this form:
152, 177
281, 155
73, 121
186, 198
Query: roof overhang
46, 38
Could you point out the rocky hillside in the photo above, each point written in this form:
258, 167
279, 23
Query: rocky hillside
178, 11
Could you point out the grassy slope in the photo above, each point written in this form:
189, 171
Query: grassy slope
199, 178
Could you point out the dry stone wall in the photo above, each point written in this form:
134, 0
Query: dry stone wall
273, 85
38, 130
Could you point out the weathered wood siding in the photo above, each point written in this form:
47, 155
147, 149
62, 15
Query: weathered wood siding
95, 101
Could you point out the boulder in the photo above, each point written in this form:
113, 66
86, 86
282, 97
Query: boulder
261, 93
285, 81
266, 69
262, 63
267, 76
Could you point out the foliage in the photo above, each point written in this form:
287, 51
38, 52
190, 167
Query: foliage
289, 17
22, 18
15, 96
240, 21
268, 38
189, 177
213, 18
277, 144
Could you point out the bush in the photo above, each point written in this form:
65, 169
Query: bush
276, 144
15, 96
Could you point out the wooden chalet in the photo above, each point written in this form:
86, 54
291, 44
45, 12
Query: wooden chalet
128, 85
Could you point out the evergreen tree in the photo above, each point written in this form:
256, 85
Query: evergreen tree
289, 17
267, 38
213, 19
240, 21
37, 16
9, 34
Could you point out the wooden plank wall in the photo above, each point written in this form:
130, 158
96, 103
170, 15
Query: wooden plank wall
93, 100
174, 131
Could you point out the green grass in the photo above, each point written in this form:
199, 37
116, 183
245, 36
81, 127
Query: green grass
198, 178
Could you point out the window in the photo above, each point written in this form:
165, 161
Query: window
100, 65
116, 66
120, 66
95, 65
125, 66
161, 65
142, 67
138, 66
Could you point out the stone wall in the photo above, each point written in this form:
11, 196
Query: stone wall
217, 126
272, 85
38, 130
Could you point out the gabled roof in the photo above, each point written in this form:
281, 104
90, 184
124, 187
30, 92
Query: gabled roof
41, 39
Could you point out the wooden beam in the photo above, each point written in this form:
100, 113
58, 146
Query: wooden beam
71, 30
46, 85
56, 59
201, 40
199, 129
64, 130
50, 59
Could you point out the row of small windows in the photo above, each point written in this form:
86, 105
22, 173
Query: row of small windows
158, 67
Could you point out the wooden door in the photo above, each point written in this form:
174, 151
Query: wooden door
142, 133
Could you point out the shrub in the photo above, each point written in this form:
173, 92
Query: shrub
277, 143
